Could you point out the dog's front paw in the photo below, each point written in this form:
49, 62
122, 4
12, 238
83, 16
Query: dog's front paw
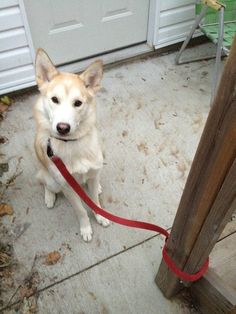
86, 233
102, 221
50, 198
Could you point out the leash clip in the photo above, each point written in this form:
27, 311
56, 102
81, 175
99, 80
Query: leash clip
49, 149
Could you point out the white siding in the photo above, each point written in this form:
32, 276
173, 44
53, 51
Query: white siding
175, 20
7, 3
16, 67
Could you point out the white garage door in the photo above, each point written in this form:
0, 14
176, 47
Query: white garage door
75, 29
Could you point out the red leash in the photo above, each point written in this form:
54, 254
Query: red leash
123, 221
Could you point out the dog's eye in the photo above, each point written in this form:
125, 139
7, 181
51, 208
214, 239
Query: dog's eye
77, 103
55, 100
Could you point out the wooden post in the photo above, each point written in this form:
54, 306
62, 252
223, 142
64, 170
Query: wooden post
199, 219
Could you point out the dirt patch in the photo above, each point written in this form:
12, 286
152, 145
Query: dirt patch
111, 200
104, 309
98, 242
28, 295
145, 172
30, 285
24, 294
66, 246
125, 133
182, 168
186, 302
174, 151
7, 262
93, 296
142, 147
18, 291
8, 265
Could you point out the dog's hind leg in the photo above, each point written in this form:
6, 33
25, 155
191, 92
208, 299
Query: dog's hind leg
49, 197
94, 188
50, 187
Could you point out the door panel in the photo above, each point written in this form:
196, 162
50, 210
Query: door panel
115, 10
75, 29
66, 18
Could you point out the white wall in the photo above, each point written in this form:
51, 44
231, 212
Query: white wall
16, 67
175, 20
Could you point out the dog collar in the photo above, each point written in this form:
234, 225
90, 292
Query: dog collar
65, 140
49, 146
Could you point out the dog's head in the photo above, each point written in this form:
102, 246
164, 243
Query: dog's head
67, 97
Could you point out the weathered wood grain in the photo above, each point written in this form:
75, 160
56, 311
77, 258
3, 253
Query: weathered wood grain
214, 157
221, 211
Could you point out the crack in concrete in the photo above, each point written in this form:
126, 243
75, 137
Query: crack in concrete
86, 269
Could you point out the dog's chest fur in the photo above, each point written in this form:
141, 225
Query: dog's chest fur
82, 157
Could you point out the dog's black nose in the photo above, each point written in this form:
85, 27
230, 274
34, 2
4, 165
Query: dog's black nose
63, 128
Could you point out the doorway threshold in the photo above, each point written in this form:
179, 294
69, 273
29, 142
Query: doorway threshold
108, 58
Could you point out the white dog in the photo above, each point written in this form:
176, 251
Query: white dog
66, 114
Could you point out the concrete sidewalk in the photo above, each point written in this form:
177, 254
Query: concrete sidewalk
150, 114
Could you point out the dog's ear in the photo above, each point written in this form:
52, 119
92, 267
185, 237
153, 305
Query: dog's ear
45, 70
92, 76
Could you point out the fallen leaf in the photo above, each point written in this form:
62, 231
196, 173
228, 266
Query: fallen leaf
5, 259
5, 100
3, 107
5, 209
52, 258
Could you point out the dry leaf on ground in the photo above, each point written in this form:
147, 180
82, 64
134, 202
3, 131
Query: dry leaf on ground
26, 292
5, 100
52, 258
5, 209
3, 107
5, 259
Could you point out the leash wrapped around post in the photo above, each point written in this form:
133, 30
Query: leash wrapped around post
123, 221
